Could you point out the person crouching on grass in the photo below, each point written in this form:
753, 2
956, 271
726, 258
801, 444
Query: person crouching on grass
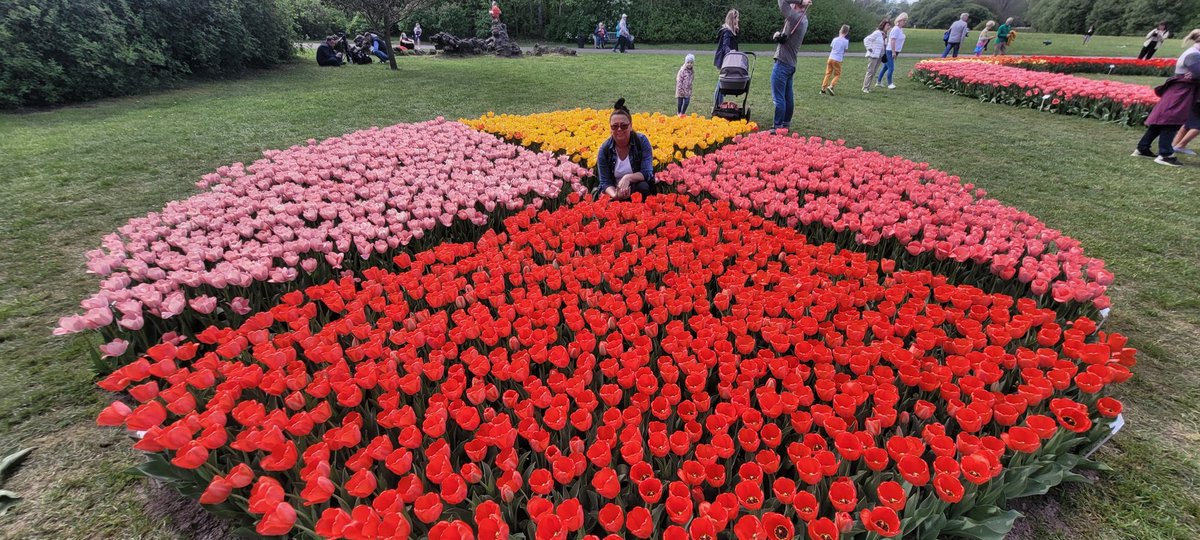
683, 84
625, 164
833, 66
1177, 97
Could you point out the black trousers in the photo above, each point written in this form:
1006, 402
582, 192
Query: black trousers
1148, 52
1165, 136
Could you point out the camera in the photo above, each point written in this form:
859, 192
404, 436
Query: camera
780, 37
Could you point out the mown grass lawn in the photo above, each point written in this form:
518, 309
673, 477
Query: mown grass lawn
71, 175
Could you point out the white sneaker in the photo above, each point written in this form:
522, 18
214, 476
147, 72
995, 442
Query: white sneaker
866, 90
1185, 151
1170, 161
891, 87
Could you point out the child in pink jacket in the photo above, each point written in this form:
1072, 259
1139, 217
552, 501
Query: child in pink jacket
683, 84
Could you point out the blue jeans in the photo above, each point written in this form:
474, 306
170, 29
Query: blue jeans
718, 97
781, 92
383, 57
682, 104
951, 47
889, 67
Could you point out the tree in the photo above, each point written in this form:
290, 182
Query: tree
383, 16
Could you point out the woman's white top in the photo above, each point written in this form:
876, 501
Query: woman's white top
896, 39
623, 168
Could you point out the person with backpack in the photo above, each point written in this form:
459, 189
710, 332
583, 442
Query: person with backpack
956, 35
795, 25
875, 43
622, 34
727, 40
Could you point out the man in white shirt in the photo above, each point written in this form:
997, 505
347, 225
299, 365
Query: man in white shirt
956, 35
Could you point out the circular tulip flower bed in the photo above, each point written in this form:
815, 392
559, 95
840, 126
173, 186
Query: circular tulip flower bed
897, 209
663, 369
579, 133
304, 215
1111, 101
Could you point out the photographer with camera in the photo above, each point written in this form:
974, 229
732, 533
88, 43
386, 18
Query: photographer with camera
327, 55
795, 24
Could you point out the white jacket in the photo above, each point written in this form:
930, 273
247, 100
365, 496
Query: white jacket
874, 42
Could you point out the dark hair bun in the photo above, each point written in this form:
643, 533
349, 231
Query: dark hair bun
620, 105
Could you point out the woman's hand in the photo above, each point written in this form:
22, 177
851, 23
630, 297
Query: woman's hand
611, 192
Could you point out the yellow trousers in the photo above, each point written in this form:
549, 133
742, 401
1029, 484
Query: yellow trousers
833, 69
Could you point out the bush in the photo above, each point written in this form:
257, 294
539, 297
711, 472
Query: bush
61, 51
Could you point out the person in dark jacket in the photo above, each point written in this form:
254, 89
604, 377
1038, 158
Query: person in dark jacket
625, 164
727, 40
1177, 96
326, 55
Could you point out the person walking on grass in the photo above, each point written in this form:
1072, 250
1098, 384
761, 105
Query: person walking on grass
1176, 104
833, 66
1002, 35
1153, 40
416, 36
875, 42
727, 40
956, 35
795, 25
985, 37
895, 44
1087, 35
683, 84
1191, 128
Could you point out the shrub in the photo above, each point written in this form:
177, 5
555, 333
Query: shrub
61, 51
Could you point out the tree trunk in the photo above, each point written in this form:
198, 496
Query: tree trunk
387, 40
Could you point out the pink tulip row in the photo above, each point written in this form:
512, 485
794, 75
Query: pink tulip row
1110, 101
305, 208
1040, 83
876, 198
1086, 64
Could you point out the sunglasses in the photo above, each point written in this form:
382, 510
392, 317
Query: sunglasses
619, 127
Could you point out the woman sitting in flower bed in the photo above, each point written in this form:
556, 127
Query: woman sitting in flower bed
626, 161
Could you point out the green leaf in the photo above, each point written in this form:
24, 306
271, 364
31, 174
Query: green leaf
13, 459
983, 523
8, 500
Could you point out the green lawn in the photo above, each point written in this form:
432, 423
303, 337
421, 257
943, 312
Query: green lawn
73, 174
1145, 80
929, 41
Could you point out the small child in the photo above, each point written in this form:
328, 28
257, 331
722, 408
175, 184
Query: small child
833, 66
683, 84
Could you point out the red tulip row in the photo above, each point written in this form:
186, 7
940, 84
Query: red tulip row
1110, 101
895, 208
659, 369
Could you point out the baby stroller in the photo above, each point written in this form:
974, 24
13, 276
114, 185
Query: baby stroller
734, 80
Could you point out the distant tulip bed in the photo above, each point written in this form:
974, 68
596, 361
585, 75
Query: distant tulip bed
1087, 64
1111, 101
427, 331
